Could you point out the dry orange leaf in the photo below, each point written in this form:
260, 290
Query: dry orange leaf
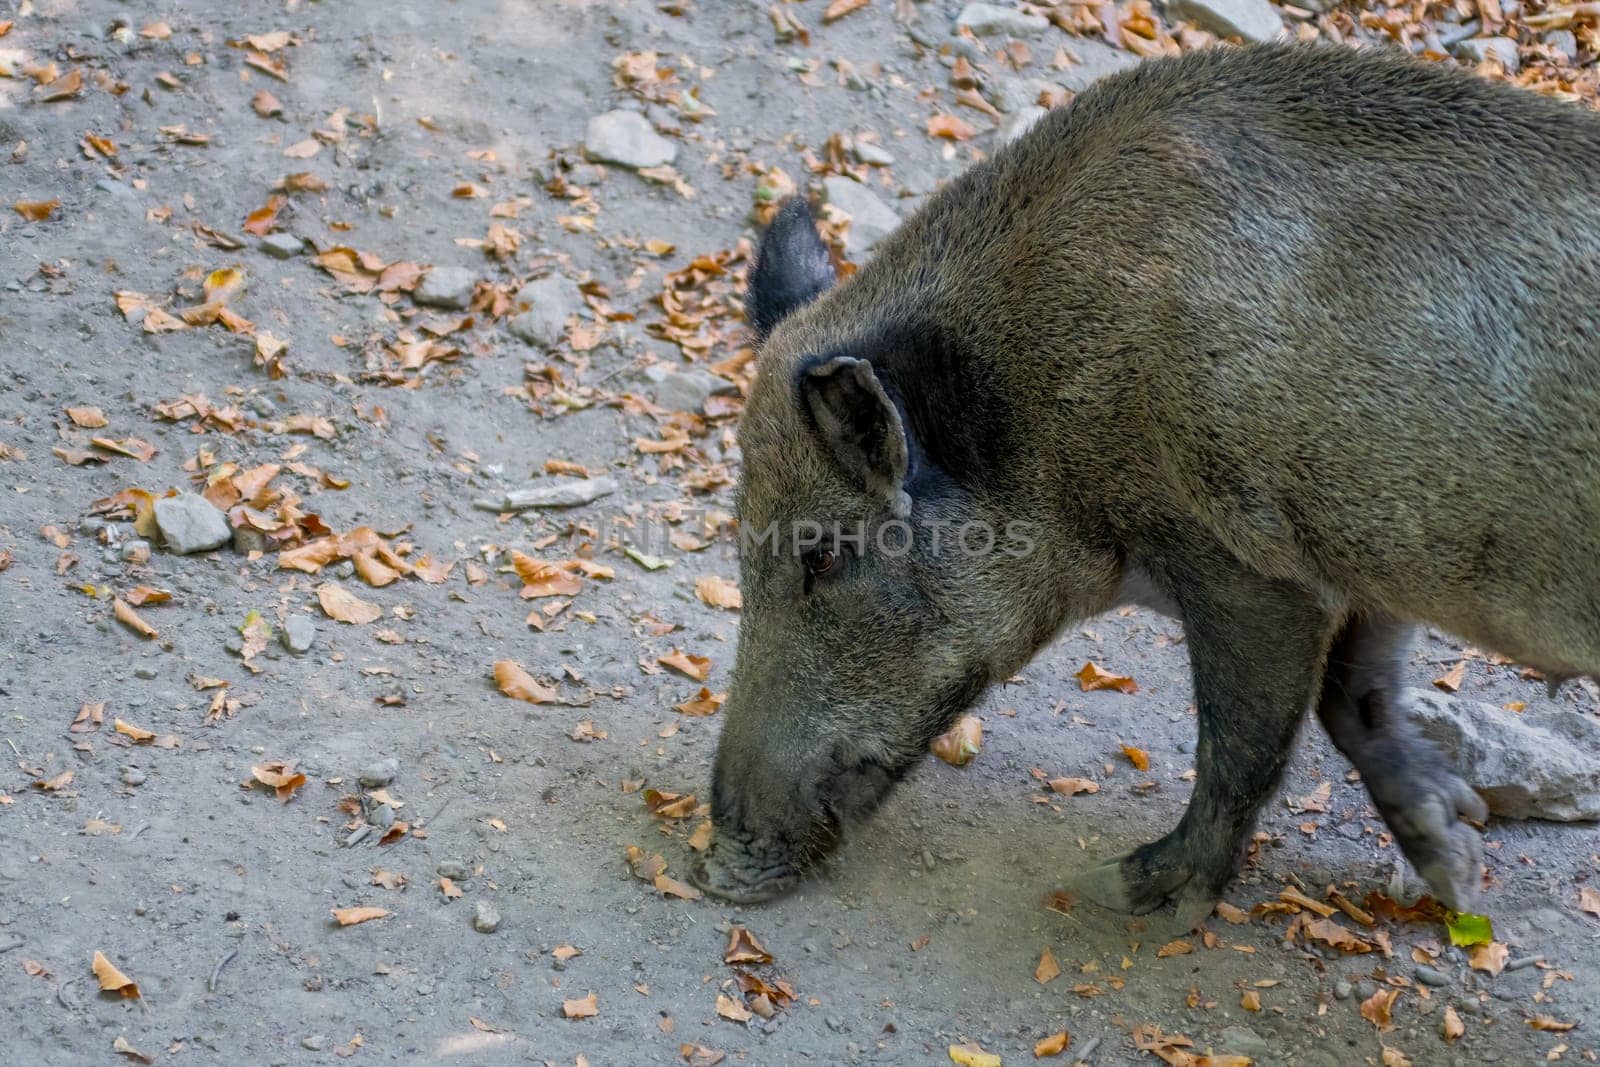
130, 618
958, 745
518, 684
1589, 900
1174, 948
688, 664
1546, 1022
951, 127
352, 916
138, 735
719, 593
88, 418
449, 889
1452, 1027
1229, 913
1047, 969
582, 1008
279, 776
744, 948
1489, 958
669, 805
1071, 787
1054, 1045
141, 595
1250, 1001
89, 718
1377, 1008
840, 8
35, 210
1093, 677
59, 782
1450, 681
344, 606
265, 104
111, 979
702, 703
1137, 756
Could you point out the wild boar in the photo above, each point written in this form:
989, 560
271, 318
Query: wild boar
1299, 345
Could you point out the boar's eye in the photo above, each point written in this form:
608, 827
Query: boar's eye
818, 562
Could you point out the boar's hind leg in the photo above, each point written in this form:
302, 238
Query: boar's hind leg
1256, 648
1410, 781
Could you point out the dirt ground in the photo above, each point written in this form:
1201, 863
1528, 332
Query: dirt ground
448, 134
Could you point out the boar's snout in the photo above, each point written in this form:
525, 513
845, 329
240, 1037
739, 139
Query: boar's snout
772, 824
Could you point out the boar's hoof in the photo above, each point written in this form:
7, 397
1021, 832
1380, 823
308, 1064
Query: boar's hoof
1447, 853
1132, 885
741, 884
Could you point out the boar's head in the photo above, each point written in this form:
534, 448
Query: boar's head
869, 624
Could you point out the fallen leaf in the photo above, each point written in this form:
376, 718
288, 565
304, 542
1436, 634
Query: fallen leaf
669, 805
450, 890
958, 745
121, 1045
265, 104
1093, 677
35, 210
518, 684
688, 664
719, 593
88, 418
838, 9
1589, 900
1137, 756
138, 735
1489, 958
1047, 969
744, 948
729, 1008
1250, 1001
1229, 913
1452, 1027
337, 603
1071, 787
565, 952
702, 703
1175, 948
582, 1008
1546, 1022
279, 776
89, 718
1332, 933
56, 784
130, 618
951, 127
1313, 802
1054, 1045
972, 1055
1467, 929
352, 916
1377, 1008
1393, 1057
141, 595
1450, 681
111, 979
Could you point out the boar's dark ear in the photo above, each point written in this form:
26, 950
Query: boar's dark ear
791, 270
859, 425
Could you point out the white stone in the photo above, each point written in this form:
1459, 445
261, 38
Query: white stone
446, 287
992, 20
1502, 49
281, 245
189, 523
686, 389
556, 493
553, 299
1252, 20
870, 218
626, 138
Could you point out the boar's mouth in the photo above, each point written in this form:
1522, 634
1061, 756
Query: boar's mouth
750, 864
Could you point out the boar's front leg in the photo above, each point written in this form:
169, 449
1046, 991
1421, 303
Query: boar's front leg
1256, 648
1410, 781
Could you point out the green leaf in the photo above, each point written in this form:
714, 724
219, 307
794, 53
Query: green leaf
648, 562
1468, 929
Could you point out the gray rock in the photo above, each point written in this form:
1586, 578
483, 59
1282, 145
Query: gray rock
1020, 123
316, 1042
626, 138
189, 523
379, 774
1342, 989
871, 154
554, 299
1502, 49
871, 220
248, 539
147, 673
1093, 60
298, 634
132, 550
381, 816
992, 20
451, 869
1243, 1041
685, 389
1563, 41
1017, 94
555, 493
446, 287
1253, 20
132, 775
1525, 766
485, 917
281, 245
1432, 977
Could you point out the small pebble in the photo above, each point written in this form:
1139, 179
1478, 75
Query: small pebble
146, 673
315, 1042
1429, 976
381, 816
1342, 989
132, 776
379, 774
451, 869
485, 918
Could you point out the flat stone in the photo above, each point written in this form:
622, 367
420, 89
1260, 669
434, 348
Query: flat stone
446, 287
872, 154
554, 493
871, 220
1501, 49
1252, 20
1244, 1041
627, 139
248, 539
686, 389
379, 774
553, 300
1092, 60
992, 20
1530, 766
298, 634
1020, 123
189, 523
485, 917
281, 245
1017, 94
1563, 41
